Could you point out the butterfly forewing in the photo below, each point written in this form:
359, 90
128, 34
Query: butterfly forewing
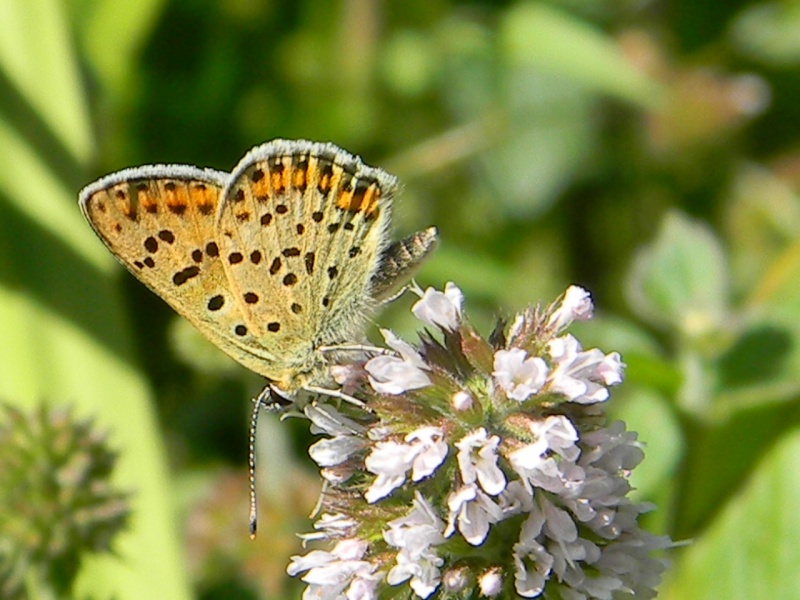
159, 222
301, 226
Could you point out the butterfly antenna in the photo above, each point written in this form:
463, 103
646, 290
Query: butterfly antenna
257, 402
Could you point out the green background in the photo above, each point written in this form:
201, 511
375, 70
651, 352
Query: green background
647, 151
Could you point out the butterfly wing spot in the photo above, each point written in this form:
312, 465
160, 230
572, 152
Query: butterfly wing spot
239, 195
363, 198
349, 227
289, 279
138, 264
274, 326
309, 260
235, 258
277, 175
326, 301
149, 262
281, 209
177, 208
300, 228
255, 257
184, 275
293, 251
334, 227
354, 251
165, 235
240, 330
296, 308
216, 302
333, 272
275, 266
325, 176
317, 216
212, 250
197, 255
300, 175
251, 297
266, 219
151, 245
117, 227
243, 216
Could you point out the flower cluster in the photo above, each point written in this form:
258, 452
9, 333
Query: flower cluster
516, 484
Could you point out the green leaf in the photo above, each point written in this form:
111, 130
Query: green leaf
680, 280
38, 66
64, 335
769, 32
536, 35
750, 549
113, 33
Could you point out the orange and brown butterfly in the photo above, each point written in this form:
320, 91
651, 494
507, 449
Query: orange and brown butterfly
286, 255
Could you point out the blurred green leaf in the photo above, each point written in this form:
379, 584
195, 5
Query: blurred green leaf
680, 279
549, 137
659, 430
536, 35
65, 337
762, 217
36, 56
750, 549
769, 32
112, 34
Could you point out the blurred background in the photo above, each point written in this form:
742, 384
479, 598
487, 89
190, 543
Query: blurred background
645, 150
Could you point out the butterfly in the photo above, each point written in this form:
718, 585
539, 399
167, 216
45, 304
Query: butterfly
275, 262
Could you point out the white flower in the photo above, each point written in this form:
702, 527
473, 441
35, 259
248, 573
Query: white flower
477, 461
515, 499
559, 433
440, 309
559, 525
389, 461
576, 305
347, 439
554, 434
424, 451
334, 524
326, 419
461, 401
329, 452
416, 535
582, 376
517, 375
397, 374
491, 583
455, 580
341, 572
473, 512
431, 449
533, 564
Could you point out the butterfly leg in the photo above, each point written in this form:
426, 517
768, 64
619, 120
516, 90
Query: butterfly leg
335, 394
357, 348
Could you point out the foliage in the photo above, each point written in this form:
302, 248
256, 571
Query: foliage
644, 150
